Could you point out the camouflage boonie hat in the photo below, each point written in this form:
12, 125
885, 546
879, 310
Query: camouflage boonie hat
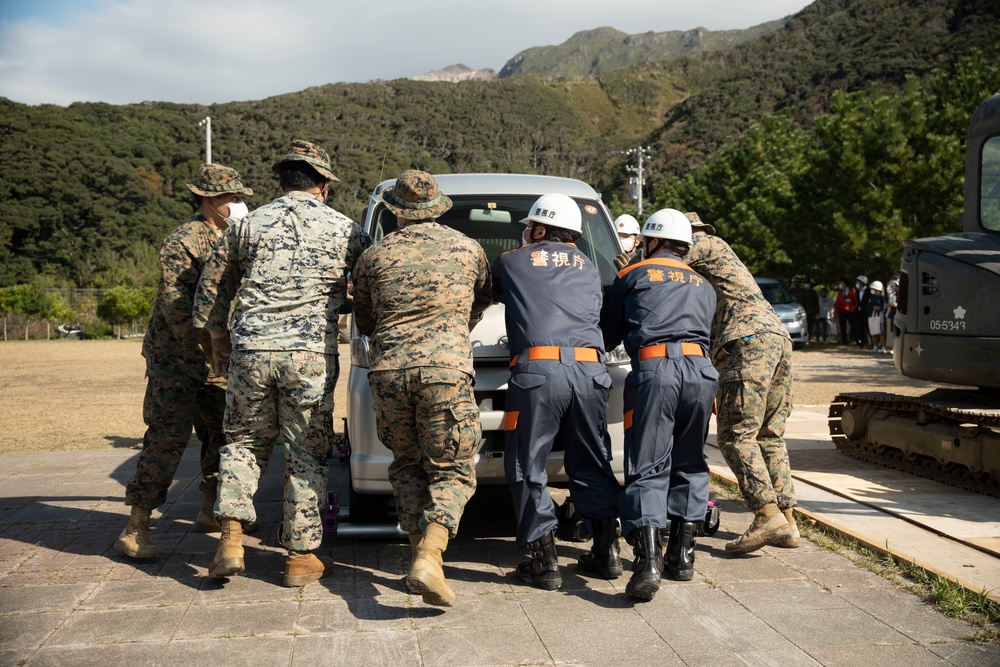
697, 224
311, 153
215, 180
416, 196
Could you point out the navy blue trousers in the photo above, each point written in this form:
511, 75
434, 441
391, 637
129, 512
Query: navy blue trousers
563, 402
668, 401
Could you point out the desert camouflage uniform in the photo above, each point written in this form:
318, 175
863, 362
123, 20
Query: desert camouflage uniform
286, 263
182, 391
753, 354
417, 293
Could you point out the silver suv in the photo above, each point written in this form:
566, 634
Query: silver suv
488, 208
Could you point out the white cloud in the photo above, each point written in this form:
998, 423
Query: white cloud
206, 51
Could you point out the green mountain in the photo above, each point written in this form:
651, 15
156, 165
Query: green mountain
605, 49
831, 45
87, 192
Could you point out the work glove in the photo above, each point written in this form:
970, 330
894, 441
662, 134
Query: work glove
622, 260
222, 349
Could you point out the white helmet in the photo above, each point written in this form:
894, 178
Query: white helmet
626, 224
555, 210
876, 285
863, 279
668, 223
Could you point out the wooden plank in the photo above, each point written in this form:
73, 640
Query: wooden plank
961, 515
884, 533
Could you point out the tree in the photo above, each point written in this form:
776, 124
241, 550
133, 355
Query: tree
121, 304
30, 300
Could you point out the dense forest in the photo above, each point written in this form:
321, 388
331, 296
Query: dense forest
815, 148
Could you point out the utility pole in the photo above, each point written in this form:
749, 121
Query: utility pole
637, 182
206, 122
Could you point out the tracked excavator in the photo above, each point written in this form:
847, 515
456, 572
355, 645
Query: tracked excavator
946, 331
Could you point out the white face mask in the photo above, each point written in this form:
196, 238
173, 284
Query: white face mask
627, 243
237, 211
526, 236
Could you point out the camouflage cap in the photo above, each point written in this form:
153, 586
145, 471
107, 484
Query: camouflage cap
215, 180
313, 154
697, 225
416, 196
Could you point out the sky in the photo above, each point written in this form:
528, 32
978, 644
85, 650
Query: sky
215, 51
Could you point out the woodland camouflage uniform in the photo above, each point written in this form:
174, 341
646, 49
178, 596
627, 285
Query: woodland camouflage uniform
182, 389
417, 293
753, 353
286, 266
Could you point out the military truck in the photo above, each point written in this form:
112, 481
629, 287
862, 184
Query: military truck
947, 331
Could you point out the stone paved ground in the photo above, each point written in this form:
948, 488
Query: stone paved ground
67, 598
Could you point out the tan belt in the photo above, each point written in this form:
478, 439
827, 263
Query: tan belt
554, 353
654, 351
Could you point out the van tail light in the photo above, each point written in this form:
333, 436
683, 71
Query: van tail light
617, 356
359, 350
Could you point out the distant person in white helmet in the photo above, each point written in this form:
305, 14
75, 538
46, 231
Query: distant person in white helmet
558, 390
628, 239
662, 310
876, 317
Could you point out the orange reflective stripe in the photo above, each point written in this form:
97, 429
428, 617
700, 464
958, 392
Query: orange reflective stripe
628, 419
510, 421
653, 351
552, 353
657, 261
543, 353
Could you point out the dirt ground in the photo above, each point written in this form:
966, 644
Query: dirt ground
63, 395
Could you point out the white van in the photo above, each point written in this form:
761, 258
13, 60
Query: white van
488, 208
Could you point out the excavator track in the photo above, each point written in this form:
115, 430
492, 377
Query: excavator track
950, 436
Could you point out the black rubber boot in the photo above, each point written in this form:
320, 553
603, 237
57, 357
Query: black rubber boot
604, 556
679, 563
542, 567
647, 570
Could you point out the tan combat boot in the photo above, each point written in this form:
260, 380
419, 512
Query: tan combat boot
769, 526
229, 556
303, 567
793, 540
415, 537
426, 572
134, 540
206, 523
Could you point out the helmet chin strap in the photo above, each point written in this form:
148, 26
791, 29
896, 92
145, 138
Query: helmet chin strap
650, 250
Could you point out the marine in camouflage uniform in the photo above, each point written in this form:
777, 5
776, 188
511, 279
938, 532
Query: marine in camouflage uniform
182, 389
753, 353
418, 293
285, 265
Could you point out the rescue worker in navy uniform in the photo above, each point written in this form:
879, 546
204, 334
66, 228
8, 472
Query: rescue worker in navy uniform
663, 310
558, 390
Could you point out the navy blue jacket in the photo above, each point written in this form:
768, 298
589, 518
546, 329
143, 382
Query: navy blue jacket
658, 300
552, 294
